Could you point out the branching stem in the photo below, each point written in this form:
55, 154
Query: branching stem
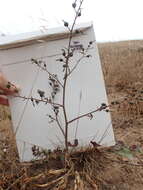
66, 75
38, 100
50, 74
86, 114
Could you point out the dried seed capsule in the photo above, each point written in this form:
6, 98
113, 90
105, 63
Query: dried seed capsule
74, 5
79, 14
103, 104
91, 42
66, 24
88, 56
41, 93
61, 60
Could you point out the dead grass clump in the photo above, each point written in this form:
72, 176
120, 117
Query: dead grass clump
86, 169
122, 63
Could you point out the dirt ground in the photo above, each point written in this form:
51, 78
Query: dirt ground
115, 168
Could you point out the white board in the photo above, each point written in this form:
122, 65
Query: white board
85, 92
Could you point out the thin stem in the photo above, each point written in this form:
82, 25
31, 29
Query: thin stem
75, 65
38, 100
57, 120
58, 123
66, 76
121, 100
79, 60
50, 74
86, 114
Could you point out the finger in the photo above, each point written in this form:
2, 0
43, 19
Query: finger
9, 90
6, 91
4, 100
7, 86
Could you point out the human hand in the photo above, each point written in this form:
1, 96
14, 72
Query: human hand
6, 88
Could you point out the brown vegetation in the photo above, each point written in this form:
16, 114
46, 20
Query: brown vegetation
115, 168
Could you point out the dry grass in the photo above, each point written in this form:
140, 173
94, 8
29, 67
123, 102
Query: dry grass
122, 63
123, 72
90, 168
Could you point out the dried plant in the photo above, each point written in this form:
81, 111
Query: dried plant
57, 85
91, 168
